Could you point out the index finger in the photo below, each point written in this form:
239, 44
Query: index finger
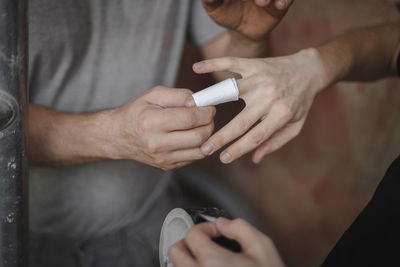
241, 66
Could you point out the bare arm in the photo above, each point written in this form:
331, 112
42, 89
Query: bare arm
364, 55
58, 138
279, 92
153, 128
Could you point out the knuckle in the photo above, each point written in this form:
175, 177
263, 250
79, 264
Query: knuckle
154, 146
205, 133
145, 124
258, 64
186, 92
190, 119
164, 164
210, 129
257, 137
212, 111
244, 123
286, 109
276, 94
218, 139
199, 136
157, 89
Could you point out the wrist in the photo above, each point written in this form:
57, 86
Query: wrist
107, 132
321, 74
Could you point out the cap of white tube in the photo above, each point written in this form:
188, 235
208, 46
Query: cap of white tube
219, 93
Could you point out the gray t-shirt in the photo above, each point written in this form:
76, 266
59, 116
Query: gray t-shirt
89, 55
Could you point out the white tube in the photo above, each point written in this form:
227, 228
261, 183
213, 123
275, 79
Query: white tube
219, 93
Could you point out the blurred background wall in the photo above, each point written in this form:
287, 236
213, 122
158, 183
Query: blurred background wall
310, 191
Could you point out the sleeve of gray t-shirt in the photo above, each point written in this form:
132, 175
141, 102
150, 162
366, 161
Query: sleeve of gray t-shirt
202, 28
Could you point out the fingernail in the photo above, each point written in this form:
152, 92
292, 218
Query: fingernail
198, 66
190, 102
207, 148
281, 4
226, 157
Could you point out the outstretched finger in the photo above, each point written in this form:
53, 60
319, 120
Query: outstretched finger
241, 66
277, 141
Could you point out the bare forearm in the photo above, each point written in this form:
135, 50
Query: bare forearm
363, 55
59, 139
153, 128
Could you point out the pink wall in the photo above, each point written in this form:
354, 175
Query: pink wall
310, 191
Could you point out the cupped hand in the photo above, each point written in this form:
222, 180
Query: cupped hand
156, 129
253, 19
278, 93
198, 250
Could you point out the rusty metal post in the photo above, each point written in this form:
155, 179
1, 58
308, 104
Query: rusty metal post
13, 126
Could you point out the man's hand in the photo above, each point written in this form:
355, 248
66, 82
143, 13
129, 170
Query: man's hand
278, 93
252, 19
156, 129
198, 250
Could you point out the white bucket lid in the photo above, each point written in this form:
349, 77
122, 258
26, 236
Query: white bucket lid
174, 228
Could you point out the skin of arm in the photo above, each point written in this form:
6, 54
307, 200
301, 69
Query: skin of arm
279, 92
153, 128
198, 250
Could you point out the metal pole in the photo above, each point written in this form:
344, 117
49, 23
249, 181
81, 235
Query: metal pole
13, 115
